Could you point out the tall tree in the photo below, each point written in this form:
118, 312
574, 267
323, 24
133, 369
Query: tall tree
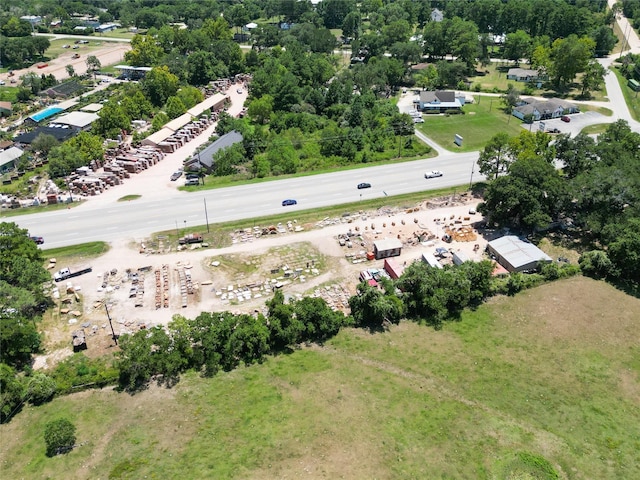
531, 195
577, 154
93, 65
495, 156
374, 309
593, 78
159, 84
517, 46
570, 56
145, 52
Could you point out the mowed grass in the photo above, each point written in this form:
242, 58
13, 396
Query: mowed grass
630, 97
481, 121
553, 372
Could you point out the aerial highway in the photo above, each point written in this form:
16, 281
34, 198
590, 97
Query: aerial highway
137, 219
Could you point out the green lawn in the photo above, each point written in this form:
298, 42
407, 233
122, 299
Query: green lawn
522, 388
481, 121
494, 79
595, 129
494, 76
630, 97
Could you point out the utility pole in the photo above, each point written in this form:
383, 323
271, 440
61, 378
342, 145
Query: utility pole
473, 165
206, 215
113, 334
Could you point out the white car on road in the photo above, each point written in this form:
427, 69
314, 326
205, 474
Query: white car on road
433, 174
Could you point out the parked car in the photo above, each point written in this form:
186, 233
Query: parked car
66, 45
75, 55
239, 90
363, 185
192, 181
38, 240
175, 176
565, 118
418, 120
553, 130
433, 174
289, 201
1, 82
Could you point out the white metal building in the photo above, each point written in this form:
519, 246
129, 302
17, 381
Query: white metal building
517, 255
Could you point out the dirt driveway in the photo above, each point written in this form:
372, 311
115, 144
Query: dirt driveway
110, 54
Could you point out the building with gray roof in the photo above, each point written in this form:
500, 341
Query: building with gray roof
204, 159
516, 255
544, 109
8, 158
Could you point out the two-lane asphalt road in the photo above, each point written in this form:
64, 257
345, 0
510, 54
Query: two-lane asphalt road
138, 218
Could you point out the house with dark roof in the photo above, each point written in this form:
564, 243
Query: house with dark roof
59, 133
204, 160
544, 109
439, 100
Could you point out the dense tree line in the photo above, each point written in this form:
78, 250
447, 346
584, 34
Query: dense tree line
221, 340
597, 191
22, 303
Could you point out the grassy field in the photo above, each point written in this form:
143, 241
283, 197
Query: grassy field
595, 129
630, 97
481, 121
525, 385
493, 78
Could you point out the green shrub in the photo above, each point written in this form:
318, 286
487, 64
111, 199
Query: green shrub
596, 264
79, 371
40, 389
59, 436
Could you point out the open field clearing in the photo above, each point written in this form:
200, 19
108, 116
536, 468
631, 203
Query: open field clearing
480, 121
548, 380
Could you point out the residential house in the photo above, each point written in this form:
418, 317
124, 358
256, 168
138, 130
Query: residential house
544, 109
436, 15
204, 159
526, 75
439, 100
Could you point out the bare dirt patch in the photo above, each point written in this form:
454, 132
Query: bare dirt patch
108, 54
140, 289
